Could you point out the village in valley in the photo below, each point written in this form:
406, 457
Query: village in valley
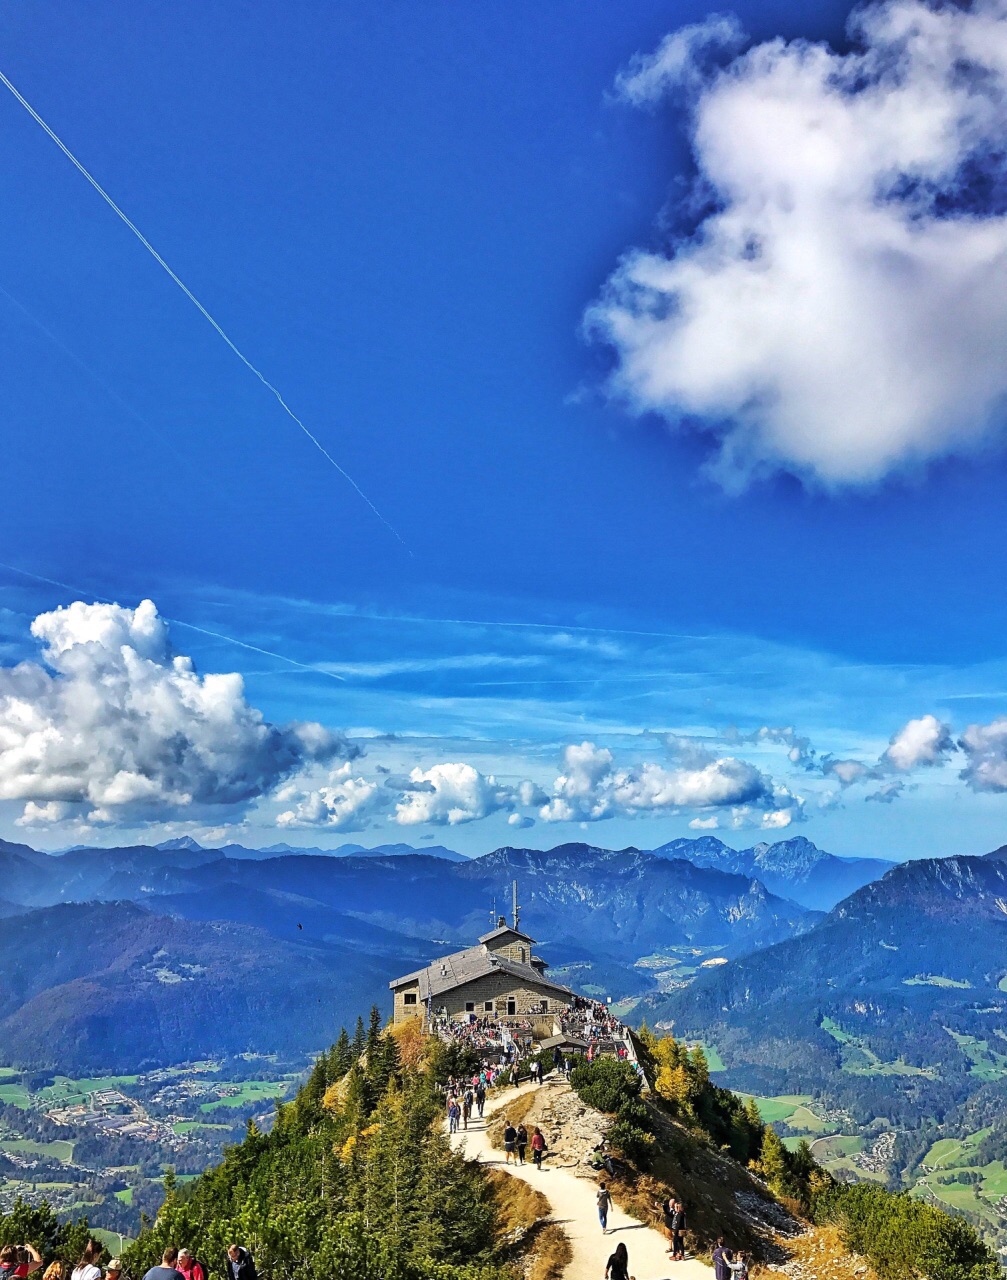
104, 1145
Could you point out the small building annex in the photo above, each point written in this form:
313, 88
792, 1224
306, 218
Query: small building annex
499, 979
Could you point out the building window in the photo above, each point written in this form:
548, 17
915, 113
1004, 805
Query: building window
409, 997
522, 955
545, 1006
470, 1007
511, 1008
487, 1006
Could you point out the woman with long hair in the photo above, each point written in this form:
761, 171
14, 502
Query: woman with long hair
87, 1268
618, 1264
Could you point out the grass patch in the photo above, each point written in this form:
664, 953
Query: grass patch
58, 1150
15, 1095
189, 1126
986, 1063
837, 1146
65, 1091
112, 1241
249, 1092
781, 1108
935, 980
125, 1197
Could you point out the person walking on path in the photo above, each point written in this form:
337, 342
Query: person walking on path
521, 1142
166, 1271
466, 1107
721, 1261
480, 1098
678, 1227
618, 1264
538, 1148
510, 1143
454, 1112
604, 1204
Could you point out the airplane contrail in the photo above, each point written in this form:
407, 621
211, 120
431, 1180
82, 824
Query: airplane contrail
198, 305
175, 622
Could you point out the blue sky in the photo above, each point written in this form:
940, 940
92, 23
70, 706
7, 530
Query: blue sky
403, 217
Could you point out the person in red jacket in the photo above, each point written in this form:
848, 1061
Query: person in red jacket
189, 1267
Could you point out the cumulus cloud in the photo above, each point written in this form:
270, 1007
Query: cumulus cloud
926, 741
841, 310
114, 725
592, 788
450, 794
345, 803
985, 747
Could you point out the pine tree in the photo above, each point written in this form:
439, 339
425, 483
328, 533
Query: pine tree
359, 1040
342, 1056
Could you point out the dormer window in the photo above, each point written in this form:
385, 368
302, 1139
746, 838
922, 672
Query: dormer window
522, 955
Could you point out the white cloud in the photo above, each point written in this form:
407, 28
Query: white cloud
705, 824
591, 788
925, 741
985, 747
117, 727
521, 821
346, 803
449, 794
841, 313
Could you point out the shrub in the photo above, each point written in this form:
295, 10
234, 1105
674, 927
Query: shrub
606, 1084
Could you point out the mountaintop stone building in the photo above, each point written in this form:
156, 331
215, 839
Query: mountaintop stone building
500, 979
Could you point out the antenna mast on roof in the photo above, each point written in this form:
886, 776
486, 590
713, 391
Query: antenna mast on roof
493, 913
517, 910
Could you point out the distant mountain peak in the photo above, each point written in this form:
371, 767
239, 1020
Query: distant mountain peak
185, 843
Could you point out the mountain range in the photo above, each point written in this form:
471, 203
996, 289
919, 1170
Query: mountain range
894, 1002
323, 933
326, 930
794, 868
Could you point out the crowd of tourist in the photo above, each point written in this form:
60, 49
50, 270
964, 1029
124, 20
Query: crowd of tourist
18, 1261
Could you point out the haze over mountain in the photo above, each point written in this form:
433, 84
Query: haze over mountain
793, 868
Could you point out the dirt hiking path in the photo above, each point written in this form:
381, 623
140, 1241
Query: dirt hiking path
573, 1205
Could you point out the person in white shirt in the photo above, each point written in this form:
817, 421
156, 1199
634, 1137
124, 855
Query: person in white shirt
87, 1268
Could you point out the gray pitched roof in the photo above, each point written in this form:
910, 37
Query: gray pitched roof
502, 929
462, 967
